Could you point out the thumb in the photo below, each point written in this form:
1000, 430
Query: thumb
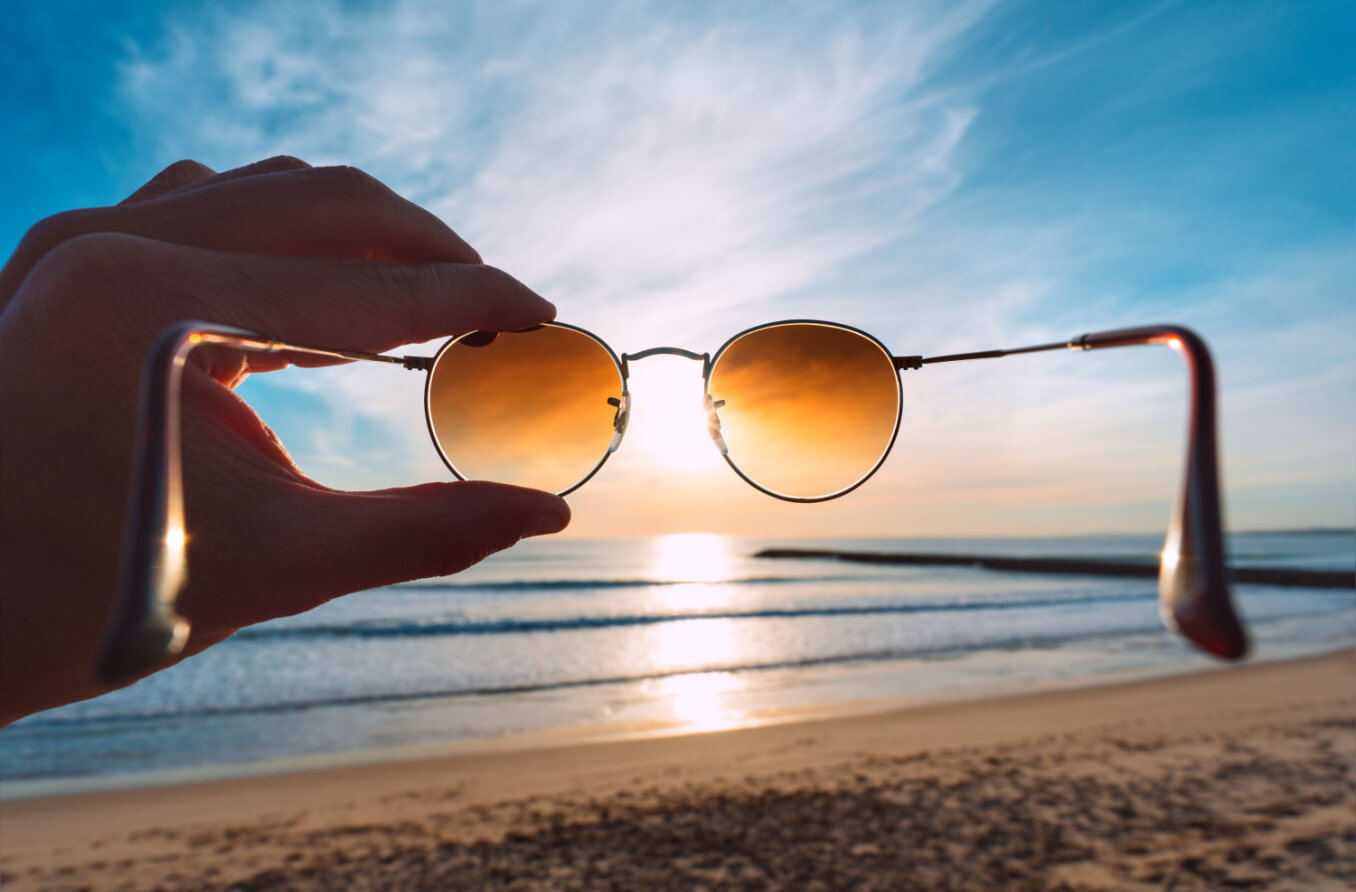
368, 539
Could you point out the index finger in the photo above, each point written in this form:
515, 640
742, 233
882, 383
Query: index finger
176, 176
365, 305
306, 211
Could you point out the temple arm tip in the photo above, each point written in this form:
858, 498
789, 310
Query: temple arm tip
1209, 623
138, 649
1193, 580
1193, 588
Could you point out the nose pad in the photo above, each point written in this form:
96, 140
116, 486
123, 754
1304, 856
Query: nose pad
713, 423
619, 420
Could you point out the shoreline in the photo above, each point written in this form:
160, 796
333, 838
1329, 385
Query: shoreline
620, 731
1298, 717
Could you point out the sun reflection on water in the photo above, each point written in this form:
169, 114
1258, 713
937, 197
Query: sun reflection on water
695, 643
701, 562
692, 557
703, 565
700, 700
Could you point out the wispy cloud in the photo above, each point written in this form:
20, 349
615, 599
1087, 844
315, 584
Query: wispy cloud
697, 170
946, 176
678, 160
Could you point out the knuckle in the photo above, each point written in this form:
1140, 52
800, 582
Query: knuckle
495, 292
92, 258
352, 183
285, 161
83, 281
484, 284
420, 302
51, 231
375, 292
441, 297
482, 275
93, 276
186, 169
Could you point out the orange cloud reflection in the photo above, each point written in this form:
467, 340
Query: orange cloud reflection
530, 408
808, 409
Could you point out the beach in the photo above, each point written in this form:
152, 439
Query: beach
677, 633
1241, 777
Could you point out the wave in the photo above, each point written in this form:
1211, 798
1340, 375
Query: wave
528, 585
93, 720
940, 651
454, 626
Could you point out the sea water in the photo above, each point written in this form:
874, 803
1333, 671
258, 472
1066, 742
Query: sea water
678, 633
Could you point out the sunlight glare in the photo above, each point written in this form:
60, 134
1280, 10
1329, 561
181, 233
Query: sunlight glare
694, 596
696, 644
699, 700
668, 420
175, 538
692, 557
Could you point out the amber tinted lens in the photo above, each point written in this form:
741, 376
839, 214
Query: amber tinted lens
529, 408
810, 409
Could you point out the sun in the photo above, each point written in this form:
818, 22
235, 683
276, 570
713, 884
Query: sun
667, 418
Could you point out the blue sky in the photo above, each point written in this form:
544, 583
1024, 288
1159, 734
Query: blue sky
947, 176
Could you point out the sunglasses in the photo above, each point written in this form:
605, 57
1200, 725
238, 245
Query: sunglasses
802, 410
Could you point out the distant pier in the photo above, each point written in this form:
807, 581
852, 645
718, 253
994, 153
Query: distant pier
1074, 566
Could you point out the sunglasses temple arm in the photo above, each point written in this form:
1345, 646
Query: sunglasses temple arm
145, 629
1193, 584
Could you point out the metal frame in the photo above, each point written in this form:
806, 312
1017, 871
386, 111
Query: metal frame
146, 631
714, 361
620, 420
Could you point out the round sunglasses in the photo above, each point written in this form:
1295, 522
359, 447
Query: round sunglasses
803, 410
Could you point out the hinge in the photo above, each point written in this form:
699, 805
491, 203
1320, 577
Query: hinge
418, 363
908, 362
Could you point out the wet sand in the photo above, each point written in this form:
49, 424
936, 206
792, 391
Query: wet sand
1241, 778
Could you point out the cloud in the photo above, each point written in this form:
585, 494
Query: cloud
688, 181
662, 173
673, 173
682, 159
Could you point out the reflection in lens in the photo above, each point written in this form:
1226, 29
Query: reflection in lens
810, 409
529, 408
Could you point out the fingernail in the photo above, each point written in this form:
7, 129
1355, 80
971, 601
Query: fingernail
545, 523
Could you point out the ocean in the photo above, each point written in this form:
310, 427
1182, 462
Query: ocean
679, 633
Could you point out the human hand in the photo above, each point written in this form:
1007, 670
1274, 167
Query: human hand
311, 255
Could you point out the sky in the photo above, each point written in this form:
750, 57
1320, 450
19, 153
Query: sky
946, 176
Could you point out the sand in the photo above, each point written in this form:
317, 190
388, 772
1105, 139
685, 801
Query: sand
1241, 778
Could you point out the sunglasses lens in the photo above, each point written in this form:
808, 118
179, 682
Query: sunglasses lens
529, 408
810, 409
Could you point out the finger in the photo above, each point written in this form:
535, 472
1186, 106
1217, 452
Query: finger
183, 176
311, 212
269, 165
366, 305
341, 542
176, 176
429, 530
